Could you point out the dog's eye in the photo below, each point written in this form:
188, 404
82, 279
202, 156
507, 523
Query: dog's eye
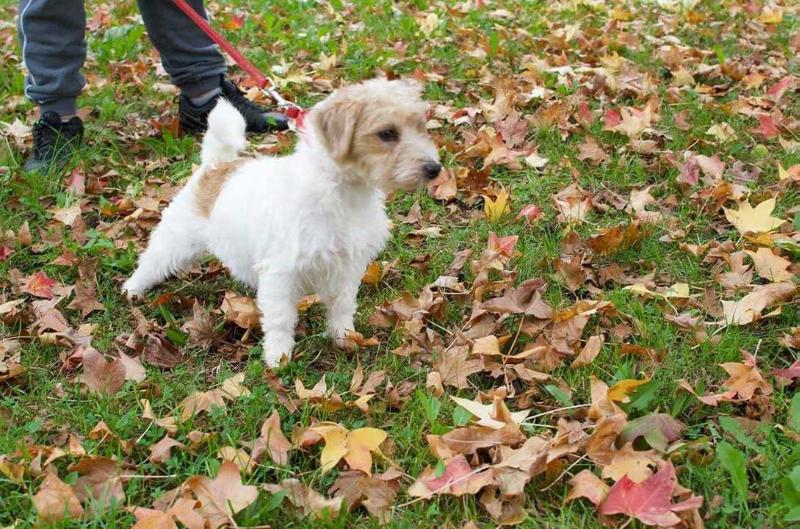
388, 135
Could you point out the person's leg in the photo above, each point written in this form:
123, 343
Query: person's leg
51, 33
197, 67
192, 60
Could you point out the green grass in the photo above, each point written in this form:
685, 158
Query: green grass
40, 404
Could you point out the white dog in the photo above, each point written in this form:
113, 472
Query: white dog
306, 223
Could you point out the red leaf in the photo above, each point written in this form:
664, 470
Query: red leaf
503, 245
5, 252
612, 118
76, 183
767, 128
531, 213
776, 91
39, 285
649, 501
791, 372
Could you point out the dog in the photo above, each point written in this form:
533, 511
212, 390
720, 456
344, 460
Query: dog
305, 223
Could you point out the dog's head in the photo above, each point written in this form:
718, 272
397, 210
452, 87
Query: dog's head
375, 131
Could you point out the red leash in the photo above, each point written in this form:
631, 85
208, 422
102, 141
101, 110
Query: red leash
292, 110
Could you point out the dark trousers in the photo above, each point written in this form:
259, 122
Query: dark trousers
53, 48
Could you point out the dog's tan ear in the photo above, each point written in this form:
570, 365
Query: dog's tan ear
335, 124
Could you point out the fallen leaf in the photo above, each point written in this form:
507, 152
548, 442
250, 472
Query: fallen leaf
771, 267
754, 220
273, 441
221, 497
307, 499
458, 479
354, 446
162, 450
619, 391
587, 485
56, 501
375, 493
650, 501
39, 285
658, 429
589, 351
749, 308
101, 376
497, 208
241, 310
99, 484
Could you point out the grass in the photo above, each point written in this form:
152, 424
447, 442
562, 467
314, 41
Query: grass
290, 36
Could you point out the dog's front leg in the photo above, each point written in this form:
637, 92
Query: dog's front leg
277, 301
340, 301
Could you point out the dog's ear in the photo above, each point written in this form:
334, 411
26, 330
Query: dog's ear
335, 125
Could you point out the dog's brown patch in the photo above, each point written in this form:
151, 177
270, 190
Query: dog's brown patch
211, 182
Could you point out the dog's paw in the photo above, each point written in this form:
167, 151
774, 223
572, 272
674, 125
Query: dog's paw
276, 348
132, 291
339, 337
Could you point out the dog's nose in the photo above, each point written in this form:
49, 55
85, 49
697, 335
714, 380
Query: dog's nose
432, 169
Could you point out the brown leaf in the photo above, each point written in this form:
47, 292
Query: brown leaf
749, 308
221, 497
375, 493
771, 267
134, 370
307, 499
590, 150
587, 485
455, 365
160, 352
273, 441
201, 328
635, 464
99, 484
101, 376
589, 351
39, 285
162, 450
241, 310
458, 479
56, 501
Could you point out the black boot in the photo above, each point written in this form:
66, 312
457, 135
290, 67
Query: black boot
54, 142
193, 118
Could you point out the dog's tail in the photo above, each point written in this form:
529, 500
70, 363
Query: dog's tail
225, 135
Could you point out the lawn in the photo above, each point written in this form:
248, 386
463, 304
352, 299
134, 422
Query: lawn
589, 256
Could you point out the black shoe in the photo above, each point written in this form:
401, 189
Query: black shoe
54, 142
193, 118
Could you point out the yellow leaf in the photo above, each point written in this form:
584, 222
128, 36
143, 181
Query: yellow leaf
372, 275
754, 220
355, 446
619, 391
498, 207
769, 16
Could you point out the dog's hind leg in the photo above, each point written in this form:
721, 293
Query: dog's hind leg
173, 246
277, 300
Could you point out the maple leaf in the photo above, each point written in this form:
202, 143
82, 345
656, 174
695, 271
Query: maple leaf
573, 204
790, 373
749, 308
495, 415
589, 351
531, 213
307, 499
590, 150
99, 484
650, 501
162, 450
458, 479
754, 220
455, 364
635, 464
56, 501
221, 497
201, 327
354, 446
272, 441
619, 391
99, 375
745, 378
375, 493
39, 285
658, 429
767, 128
241, 310
134, 370
497, 208
771, 267
502, 245
586, 484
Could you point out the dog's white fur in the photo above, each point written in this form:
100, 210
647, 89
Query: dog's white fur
305, 223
